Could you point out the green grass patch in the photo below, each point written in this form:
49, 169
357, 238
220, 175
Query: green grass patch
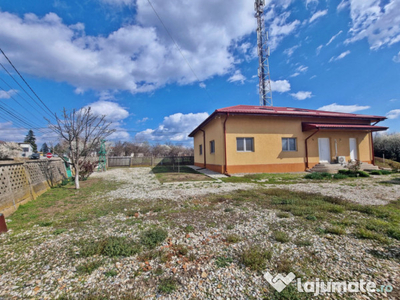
111, 273
233, 238
89, 267
151, 238
371, 235
110, 246
223, 261
266, 178
167, 285
335, 230
255, 257
283, 215
281, 236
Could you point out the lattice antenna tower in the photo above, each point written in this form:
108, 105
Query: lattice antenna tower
102, 156
263, 55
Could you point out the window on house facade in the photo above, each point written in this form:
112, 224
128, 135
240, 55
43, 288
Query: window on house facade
289, 144
25, 149
201, 149
245, 144
212, 146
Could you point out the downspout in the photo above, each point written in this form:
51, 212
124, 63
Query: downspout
204, 147
307, 147
226, 161
372, 148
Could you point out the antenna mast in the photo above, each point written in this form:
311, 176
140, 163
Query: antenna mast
263, 55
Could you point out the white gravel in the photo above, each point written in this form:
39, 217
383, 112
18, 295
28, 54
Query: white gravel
141, 183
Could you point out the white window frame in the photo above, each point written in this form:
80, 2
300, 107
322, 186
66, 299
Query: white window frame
290, 150
244, 144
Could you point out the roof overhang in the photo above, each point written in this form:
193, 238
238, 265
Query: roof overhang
321, 126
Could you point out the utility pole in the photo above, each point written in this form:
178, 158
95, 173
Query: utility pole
263, 55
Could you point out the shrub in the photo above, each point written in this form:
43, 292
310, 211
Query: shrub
255, 257
311, 218
314, 175
385, 172
45, 224
340, 176
86, 168
394, 233
281, 236
153, 237
167, 285
375, 172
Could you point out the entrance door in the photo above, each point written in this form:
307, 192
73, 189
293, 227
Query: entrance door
353, 149
324, 150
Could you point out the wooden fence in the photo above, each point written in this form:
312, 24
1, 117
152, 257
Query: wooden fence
146, 161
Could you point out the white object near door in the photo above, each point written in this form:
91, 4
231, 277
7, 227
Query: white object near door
353, 149
324, 150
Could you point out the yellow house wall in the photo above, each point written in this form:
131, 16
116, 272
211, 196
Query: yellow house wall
214, 131
268, 133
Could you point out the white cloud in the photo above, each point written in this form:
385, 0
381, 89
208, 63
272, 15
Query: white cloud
175, 127
238, 76
377, 21
113, 111
289, 51
396, 58
334, 37
10, 133
318, 14
142, 120
202, 85
299, 70
340, 56
302, 95
393, 114
7, 94
136, 57
318, 50
343, 108
279, 27
280, 86
342, 5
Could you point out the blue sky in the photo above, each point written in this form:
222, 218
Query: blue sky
116, 56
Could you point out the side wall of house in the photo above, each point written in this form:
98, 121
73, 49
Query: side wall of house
214, 132
268, 133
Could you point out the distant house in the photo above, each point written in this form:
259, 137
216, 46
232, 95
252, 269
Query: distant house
27, 149
251, 139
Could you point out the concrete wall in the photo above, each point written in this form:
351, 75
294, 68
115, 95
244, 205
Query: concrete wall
268, 133
21, 182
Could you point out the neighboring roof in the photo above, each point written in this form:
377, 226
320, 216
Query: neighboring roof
284, 111
311, 126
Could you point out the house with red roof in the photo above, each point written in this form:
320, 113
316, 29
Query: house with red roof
258, 139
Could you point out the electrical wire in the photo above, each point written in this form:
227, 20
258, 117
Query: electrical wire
48, 109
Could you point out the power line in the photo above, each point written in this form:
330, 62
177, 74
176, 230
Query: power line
177, 46
50, 112
19, 93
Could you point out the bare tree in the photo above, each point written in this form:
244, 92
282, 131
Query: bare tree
83, 132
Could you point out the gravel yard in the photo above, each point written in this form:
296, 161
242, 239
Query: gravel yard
213, 230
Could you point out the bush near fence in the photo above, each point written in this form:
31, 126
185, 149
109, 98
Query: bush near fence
21, 182
146, 161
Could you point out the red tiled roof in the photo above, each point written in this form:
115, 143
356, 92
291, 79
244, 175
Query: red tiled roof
272, 110
311, 126
285, 111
